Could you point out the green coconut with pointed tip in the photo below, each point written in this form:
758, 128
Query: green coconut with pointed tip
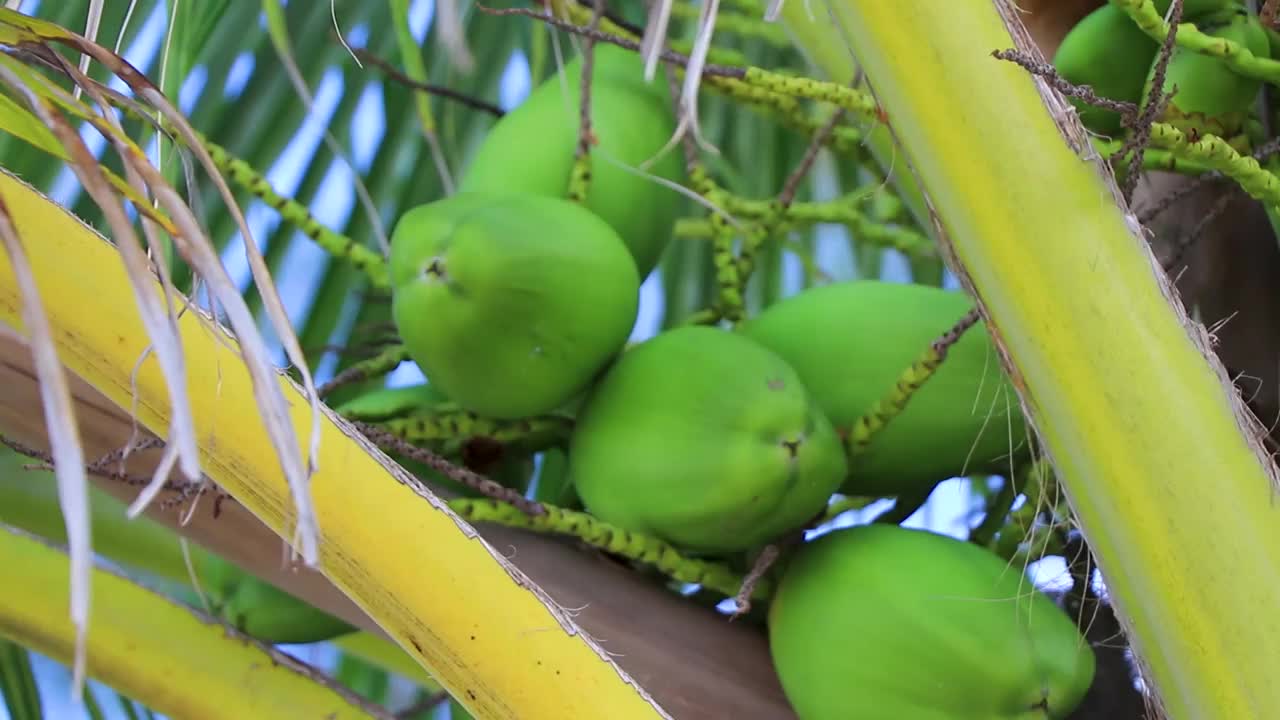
532, 148
879, 621
511, 303
851, 341
707, 440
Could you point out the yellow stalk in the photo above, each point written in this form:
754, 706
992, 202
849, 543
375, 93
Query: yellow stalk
155, 650
29, 502
1161, 463
470, 618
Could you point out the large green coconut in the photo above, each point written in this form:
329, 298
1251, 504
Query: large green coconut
879, 621
707, 440
511, 304
850, 342
532, 149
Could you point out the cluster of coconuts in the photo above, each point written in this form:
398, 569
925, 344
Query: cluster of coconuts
516, 302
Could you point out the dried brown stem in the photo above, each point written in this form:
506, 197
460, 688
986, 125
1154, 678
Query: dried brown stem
47, 463
588, 68
768, 556
1050, 74
118, 455
1157, 99
792, 184
98, 468
395, 74
948, 339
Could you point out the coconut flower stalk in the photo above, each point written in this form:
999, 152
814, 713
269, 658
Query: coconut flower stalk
1160, 460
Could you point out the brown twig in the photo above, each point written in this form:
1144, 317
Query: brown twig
395, 74
461, 475
1157, 99
768, 556
943, 344
792, 184
118, 455
98, 468
1127, 110
588, 68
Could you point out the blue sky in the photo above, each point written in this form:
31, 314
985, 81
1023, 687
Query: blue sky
334, 203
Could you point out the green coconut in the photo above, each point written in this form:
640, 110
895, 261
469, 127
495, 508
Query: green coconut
850, 342
879, 621
707, 440
1107, 51
532, 149
511, 304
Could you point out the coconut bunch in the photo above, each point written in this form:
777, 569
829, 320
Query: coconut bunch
517, 300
